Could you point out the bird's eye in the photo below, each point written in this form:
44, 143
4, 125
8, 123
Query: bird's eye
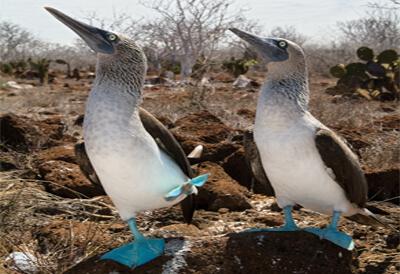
112, 37
282, 44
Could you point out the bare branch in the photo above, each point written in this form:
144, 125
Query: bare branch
190, 29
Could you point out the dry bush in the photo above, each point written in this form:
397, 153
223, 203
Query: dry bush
58, 232
290, 33
364, 120
379, 28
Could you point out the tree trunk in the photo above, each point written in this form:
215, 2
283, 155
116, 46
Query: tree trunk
44, 78
69, 71
186, 67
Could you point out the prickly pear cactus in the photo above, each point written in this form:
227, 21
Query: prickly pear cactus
374, 77
41, 66
238, 66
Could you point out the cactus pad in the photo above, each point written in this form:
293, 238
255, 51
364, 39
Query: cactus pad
365, 53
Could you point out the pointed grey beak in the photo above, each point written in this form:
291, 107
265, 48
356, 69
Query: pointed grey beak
97, 39
267, 47
248, 37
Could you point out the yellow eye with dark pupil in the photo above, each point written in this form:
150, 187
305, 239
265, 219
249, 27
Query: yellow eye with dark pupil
282, 44
112, 37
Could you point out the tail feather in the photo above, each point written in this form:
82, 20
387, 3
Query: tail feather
194, 157
366, 217
196, 152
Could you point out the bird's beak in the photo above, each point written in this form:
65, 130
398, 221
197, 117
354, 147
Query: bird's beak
265, 46
248, 37
94, 37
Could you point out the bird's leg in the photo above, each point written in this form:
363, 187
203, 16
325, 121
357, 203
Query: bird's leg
289, 225
332, 234
137, 252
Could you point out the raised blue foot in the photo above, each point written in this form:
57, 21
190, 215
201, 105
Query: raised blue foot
289, 225
331, 233
187, 188
138, 252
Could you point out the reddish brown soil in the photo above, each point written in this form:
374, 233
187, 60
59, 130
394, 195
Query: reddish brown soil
49, 209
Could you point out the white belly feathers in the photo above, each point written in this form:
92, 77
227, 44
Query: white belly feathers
296, 170
134, 172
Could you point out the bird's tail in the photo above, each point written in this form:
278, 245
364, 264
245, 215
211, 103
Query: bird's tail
196, 152
194, 157
366, 217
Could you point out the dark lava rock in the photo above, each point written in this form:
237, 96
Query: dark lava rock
203, 128
236, 166
384, 185
7, 162
63, 153
7, 166
23, 134
221, 191
18, 132
66, 180
272, 253
393, 240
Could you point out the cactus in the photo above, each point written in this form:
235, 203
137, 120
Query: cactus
41, 66
388, 56
365, 54
375, 78
238, 66
338, 71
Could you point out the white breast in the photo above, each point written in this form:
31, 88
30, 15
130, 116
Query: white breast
294, 166
132, 169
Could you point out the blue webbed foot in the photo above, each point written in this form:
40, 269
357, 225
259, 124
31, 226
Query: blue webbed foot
136, 253
333, 235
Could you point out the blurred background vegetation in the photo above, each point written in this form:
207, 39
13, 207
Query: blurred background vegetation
190, 39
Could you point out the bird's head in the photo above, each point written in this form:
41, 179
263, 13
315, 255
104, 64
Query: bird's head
281, 55
119, 58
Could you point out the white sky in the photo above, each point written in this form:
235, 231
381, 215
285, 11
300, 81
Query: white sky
315, 18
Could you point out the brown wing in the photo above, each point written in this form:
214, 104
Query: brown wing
253, 159
167, 142
84, 163
344, 164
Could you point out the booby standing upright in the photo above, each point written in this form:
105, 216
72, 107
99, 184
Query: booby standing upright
306, 162
139, 172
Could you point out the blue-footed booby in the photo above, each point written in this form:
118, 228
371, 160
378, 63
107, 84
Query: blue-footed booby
137, 160
305, 161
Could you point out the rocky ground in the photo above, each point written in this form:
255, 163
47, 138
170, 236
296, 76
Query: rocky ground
51, 213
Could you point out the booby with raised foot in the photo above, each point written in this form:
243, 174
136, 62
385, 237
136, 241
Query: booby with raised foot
305, 161
137, 160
